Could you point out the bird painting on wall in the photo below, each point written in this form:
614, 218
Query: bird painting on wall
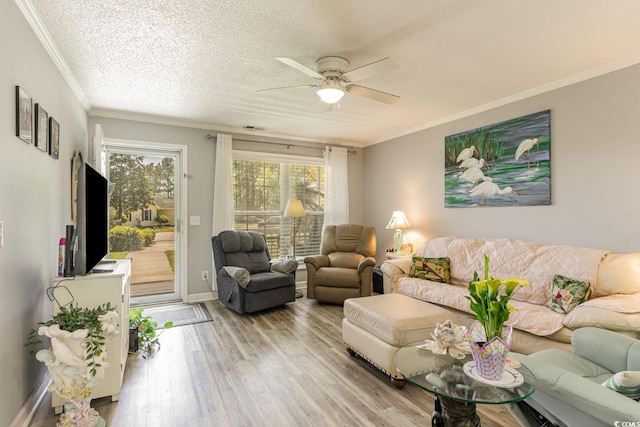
467, 153
473, 175
473, 163
504, 164
525, 147
488, 189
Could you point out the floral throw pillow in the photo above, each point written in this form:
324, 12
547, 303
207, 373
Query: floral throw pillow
434, 269
567, 293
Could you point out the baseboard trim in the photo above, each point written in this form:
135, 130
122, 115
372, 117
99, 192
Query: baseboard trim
28, 410
205, 296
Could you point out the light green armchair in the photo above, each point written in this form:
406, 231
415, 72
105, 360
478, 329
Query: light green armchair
569, 385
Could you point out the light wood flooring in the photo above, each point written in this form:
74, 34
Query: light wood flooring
282, 367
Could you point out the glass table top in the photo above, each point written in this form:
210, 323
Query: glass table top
446, 377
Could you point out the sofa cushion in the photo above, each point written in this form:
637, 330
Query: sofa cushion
626, 383
585, 315
349, 238
338, 277
567, 293
532, 318
619, 303
535, 262
618, 274
434, 269
266, 281
245, 249
345, 259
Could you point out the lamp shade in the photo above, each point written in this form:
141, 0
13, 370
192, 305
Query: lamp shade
330, 92
398, 221
294, 208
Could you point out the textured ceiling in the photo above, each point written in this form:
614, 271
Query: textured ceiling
201, 61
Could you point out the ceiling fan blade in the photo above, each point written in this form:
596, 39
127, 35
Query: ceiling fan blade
284, 87
376, 95
302, 68
382, 66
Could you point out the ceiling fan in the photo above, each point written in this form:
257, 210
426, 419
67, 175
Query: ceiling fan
335, 80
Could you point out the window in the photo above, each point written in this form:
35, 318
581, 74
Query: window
146, 214
262, 184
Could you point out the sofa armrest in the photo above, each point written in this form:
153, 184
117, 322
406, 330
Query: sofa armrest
317, 261
285, 266
239, 274
393, 269
396, 267
589, 342
587, 396
366, 262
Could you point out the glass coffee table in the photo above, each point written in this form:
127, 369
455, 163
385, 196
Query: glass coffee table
457, 387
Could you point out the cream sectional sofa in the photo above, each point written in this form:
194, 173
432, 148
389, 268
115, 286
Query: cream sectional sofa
614, 302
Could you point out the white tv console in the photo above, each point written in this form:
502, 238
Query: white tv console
93, 290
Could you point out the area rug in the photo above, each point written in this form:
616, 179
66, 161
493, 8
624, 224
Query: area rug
180, 314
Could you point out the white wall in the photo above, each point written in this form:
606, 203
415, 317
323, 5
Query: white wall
34, 202
595, 152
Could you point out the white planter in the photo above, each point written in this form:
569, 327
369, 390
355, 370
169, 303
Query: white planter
71, 378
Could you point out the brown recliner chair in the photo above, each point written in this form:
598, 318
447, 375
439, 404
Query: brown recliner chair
345, 267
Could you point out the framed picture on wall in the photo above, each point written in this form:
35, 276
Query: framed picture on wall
23, 115
42, 128
54, 138
504, 164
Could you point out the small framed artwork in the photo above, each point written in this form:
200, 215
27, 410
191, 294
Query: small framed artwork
23, 115
42, 126
54, 138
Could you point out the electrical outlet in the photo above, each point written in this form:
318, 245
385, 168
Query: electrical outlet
205, 275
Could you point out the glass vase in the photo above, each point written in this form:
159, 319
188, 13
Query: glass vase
489, 355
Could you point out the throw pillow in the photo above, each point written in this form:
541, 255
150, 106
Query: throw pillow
626, 383
434, 269
567, 293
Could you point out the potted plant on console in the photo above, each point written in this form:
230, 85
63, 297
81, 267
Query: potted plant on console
76, 358
488, 337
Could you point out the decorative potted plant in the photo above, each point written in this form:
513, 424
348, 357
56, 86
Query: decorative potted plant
142, 332
488, 338
76, 358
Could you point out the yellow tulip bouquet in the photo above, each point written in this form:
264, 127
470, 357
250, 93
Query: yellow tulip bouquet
491, 308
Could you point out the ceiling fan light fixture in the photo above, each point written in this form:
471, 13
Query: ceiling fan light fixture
330, 92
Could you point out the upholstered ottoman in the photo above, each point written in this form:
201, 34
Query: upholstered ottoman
375, 327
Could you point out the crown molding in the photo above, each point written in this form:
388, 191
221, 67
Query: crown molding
162, 120
34, 21
558, 84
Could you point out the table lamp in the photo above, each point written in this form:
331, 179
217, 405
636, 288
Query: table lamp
294, 210
398, 221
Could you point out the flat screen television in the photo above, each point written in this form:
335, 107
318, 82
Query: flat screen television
92, 220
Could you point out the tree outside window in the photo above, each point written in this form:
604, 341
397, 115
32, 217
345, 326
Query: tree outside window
261, 190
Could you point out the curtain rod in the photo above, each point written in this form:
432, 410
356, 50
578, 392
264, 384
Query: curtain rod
288, 145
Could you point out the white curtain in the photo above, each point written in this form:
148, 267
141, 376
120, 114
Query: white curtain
222, 193
336, 198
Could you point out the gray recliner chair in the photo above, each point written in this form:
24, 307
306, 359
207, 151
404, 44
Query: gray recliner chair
569, 387
247, 280
345, 267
